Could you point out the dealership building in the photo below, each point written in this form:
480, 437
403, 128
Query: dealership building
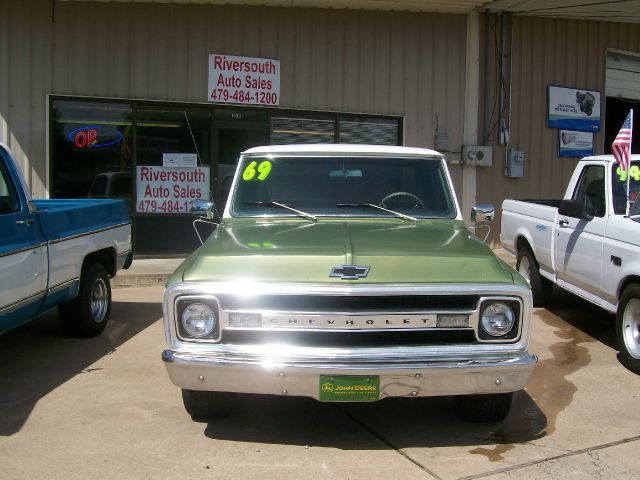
151, 101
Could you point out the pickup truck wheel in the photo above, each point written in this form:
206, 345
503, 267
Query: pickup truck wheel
203, 404
87, 314
527, 266
490, 407
628, 328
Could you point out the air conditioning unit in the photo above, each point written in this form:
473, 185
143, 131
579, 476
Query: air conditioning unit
477, 156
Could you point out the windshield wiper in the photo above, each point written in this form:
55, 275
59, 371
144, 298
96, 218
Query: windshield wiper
378, 207
286, 207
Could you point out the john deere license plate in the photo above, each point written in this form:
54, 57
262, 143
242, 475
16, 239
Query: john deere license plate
349, 388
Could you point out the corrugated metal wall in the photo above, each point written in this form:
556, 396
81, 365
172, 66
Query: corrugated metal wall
410, 64
545, 52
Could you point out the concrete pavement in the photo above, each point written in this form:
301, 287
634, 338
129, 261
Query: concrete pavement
104, 408
146, 272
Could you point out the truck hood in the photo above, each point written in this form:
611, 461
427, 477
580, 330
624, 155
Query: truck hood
292, 251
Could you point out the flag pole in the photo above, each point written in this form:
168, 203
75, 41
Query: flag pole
629, 167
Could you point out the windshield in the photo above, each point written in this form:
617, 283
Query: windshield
343, 186
619, 187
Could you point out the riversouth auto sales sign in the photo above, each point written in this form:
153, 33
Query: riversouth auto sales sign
244, 80
170, 189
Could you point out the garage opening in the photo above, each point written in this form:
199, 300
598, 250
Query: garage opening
622, 90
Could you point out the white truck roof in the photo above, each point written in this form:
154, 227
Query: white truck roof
338, 148
610, 158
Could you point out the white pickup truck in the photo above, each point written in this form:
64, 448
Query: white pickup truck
585, 243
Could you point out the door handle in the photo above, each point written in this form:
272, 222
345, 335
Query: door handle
28, 222
563, 223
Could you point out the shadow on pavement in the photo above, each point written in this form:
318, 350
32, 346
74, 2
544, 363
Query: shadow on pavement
585, 316
394, 422
37, 358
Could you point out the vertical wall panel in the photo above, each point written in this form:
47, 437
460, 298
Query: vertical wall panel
411, 85
397, 65
545, 52
120, 28
38, 85
18, 115
367, 57
351, 47
5, 18
382, 45
335, 58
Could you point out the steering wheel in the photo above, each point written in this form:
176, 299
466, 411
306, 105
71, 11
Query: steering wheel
418, 203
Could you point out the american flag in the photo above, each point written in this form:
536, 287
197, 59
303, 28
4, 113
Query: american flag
621, 146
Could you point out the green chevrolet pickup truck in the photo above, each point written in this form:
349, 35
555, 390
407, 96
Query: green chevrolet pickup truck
346, 273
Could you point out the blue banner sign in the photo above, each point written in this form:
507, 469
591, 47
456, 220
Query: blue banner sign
575, 144
574, 109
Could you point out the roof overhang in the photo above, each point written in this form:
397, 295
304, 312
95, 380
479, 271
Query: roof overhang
627, 11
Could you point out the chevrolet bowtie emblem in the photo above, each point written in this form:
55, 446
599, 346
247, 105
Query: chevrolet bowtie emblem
349, 272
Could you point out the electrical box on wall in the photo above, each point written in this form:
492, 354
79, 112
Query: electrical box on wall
515, 163
477, 156
442, 142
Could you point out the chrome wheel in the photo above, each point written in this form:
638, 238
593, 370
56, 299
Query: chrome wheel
99, 303
631, 327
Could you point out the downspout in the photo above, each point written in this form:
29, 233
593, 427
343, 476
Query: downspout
471, 110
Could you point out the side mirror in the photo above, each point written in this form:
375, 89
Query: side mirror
202, 208
574, 209
482, 213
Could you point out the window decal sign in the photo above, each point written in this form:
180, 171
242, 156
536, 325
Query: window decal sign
575, 144
574, 109
243, 80
634, 172
185, 160
257, 172
170, 189
94, 136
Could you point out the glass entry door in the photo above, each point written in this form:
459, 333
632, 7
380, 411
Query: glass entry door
173, 168
235, 131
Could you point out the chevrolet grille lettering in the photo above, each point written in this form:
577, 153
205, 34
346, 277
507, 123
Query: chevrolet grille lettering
329, 320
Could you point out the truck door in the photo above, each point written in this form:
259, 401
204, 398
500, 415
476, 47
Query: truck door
579, 242
23, 254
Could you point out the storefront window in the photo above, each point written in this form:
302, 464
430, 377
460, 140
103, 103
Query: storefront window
91, 145
159, 157
302, 130
372, 131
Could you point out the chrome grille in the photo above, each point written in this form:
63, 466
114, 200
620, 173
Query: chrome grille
352, 339
351, 303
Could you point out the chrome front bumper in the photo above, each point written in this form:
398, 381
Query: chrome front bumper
402, 378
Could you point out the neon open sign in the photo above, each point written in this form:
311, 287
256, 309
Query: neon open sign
94, 136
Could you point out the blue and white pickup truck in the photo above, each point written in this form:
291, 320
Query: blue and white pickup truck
58, 253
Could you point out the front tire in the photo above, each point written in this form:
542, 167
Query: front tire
490, 407
628, 328
204, 404
88, 313
541, 287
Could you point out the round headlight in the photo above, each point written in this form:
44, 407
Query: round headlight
198, 320
497, 319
